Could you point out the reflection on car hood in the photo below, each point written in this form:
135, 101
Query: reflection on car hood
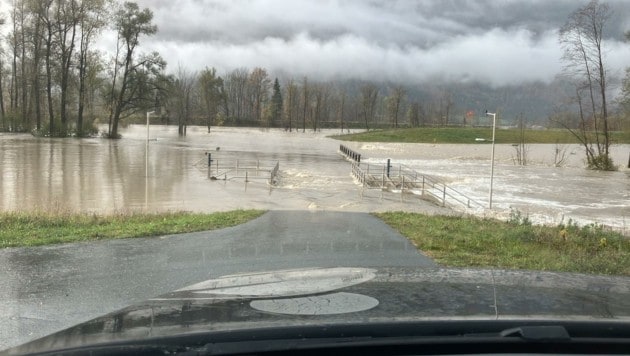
354, 295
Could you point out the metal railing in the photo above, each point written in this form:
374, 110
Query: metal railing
407, 179
350, 154
243, 169
274, 173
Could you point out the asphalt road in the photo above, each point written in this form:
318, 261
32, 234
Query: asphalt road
47, 289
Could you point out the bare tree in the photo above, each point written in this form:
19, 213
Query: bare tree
413, 114
130, 23
394, 103
291, 104
183, 98
341, 108
211, 87
92, 15
582, 40
305, 102
236, 90
369, 94
258, 85
521, 148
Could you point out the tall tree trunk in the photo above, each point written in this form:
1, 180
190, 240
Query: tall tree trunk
2, 112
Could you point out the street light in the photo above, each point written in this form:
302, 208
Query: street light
494, 127
146, 165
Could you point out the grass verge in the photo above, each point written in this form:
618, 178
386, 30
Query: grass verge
468, 135
476, 242
43, 228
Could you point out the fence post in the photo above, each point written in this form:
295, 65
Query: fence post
444, 196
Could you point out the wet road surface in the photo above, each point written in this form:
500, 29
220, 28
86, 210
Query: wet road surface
47, 289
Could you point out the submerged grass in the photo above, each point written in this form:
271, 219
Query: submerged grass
44, 228
468, 135
475, 242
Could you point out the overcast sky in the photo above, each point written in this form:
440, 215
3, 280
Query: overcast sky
497, 42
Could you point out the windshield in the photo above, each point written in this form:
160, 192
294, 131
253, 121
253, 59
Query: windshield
149, 149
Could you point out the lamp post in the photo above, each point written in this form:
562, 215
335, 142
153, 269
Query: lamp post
494, 127
146, 165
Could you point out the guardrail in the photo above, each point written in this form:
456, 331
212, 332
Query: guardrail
243, 169
407, 179
350, 154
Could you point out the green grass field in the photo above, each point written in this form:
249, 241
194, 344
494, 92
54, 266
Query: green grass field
44, 228
475, 242
468, 135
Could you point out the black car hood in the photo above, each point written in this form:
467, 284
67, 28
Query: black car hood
353, 295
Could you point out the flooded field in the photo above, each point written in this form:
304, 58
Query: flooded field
98, 175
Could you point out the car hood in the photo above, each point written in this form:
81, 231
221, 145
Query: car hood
319, 296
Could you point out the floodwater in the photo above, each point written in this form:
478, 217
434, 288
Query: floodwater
98, 175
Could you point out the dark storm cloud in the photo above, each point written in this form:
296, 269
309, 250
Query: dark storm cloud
497, 42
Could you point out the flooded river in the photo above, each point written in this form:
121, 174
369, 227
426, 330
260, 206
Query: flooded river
98, 175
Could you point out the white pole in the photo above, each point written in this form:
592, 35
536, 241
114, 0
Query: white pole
494, 127
146, 163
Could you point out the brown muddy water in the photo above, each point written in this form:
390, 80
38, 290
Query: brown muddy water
98, 175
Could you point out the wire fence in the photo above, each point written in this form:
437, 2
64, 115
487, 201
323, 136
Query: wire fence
243, 170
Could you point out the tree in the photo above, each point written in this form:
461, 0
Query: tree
320, 104
92, 15
624, 98
394, 102
183, 98
341, 107
581, 38
291, 104
43, 12
276, 103
305, 102
65, 33
258, 89
236, 90
212, 93
369, 94
130, 23
413, 114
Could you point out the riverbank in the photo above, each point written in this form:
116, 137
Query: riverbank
472, 134
515, 244
45, 228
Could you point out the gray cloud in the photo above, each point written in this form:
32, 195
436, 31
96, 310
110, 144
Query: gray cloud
495, 42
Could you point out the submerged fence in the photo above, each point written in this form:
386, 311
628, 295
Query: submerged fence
350, 154
247, 170
405, 179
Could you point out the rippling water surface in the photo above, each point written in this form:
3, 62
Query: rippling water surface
99, 175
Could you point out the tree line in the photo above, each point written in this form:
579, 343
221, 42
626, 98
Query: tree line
54, 82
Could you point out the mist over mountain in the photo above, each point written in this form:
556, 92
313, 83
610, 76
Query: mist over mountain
502, 55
